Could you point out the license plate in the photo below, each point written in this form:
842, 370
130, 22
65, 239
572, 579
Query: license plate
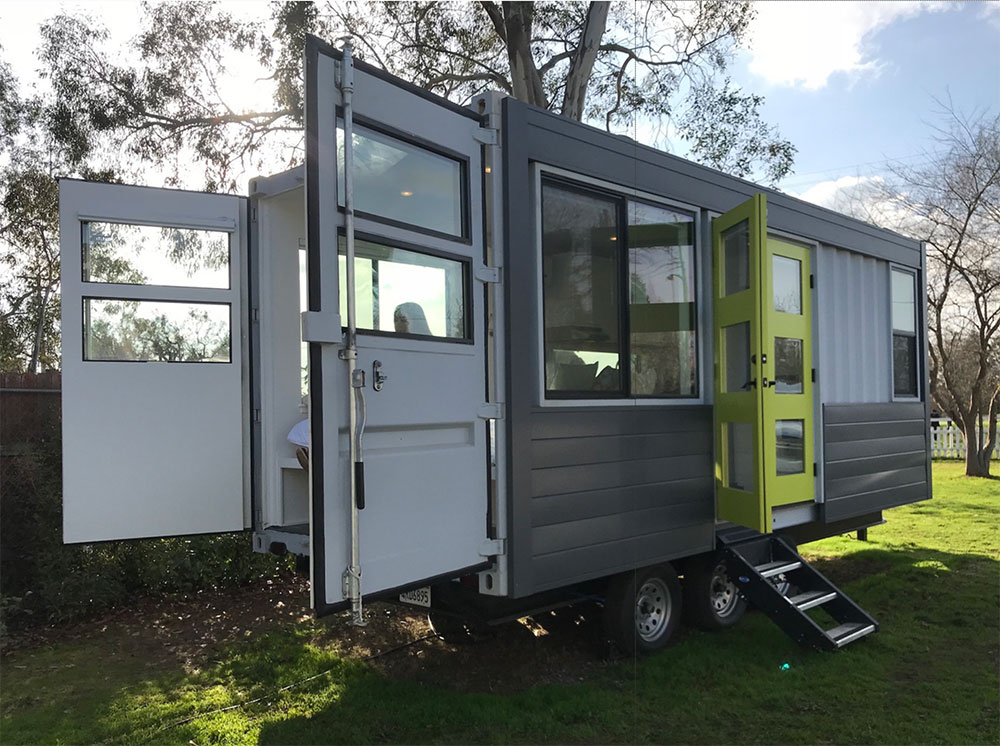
417, 597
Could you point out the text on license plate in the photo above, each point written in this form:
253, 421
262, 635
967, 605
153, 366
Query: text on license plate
417, 597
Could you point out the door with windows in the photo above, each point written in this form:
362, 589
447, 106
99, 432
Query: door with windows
763, 381
420, 309
154, 403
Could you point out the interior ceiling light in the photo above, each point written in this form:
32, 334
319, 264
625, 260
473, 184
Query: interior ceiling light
407, 193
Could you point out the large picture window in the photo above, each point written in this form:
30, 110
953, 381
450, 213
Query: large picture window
904, 334
618, 291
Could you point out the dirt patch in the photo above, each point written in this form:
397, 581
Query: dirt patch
190, 631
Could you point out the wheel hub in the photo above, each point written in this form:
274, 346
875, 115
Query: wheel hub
652, 610
722, 593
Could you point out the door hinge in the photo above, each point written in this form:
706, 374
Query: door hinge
812, 281
815, 469
322, 327
488, 275
491, 411
486, 136
814, 375
256, 415
493, 548
255, 315
253, 214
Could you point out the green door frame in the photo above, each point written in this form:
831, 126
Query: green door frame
763, 382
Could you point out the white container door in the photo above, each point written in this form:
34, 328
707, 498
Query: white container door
153, 400
420, 315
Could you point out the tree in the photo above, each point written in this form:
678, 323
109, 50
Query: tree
615, 63
953, 204
158, 102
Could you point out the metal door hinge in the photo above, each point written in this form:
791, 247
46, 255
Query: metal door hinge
812, 281
814, 375
253, 214
493, 548
486, 136
489, 275
325, 328
491, 411
256, 415
815, 469
255, 315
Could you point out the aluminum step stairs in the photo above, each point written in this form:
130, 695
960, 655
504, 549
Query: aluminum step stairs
762, 564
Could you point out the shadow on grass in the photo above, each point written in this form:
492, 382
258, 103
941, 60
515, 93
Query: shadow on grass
928, 676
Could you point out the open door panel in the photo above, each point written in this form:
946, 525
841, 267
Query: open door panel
417, 182
154, 400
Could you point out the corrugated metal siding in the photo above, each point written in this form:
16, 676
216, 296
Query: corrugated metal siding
612, 489
875, 457
854, 337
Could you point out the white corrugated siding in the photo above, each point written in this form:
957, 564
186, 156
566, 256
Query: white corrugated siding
855, 346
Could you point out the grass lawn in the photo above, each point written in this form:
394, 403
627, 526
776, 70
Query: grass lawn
930, 576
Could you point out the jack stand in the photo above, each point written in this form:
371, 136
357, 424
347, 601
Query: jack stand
352, 589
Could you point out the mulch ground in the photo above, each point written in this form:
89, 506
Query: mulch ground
191, 630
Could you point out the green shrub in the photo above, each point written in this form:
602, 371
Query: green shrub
43, 581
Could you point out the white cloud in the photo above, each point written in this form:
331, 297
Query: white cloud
804, 43
830, 193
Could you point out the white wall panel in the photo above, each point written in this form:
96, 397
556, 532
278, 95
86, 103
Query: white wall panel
855, 343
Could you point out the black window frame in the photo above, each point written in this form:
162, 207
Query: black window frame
623, 277
894, 332
465, 237
467, 287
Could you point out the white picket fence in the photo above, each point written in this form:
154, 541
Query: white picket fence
947, 440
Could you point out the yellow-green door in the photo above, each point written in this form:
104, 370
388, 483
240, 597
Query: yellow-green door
763, 384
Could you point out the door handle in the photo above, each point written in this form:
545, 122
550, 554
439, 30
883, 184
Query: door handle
752, 384
378, 377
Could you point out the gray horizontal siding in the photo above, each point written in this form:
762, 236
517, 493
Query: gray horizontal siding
616, 488
875, 457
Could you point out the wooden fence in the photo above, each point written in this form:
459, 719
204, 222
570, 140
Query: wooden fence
30, 410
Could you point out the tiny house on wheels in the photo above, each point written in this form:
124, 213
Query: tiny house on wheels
537, 362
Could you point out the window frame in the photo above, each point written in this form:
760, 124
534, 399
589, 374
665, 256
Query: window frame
84, 329
467, 288
85, 221
915, 334
434, 148
573, 180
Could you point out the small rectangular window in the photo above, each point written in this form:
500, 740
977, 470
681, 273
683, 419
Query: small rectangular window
155, 255
405, 292
404, 183
790, 441
581, 291
736, 263
663, 343
156, 331
904, 338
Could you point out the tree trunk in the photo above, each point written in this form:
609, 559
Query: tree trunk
977, 457
36, 346
525, 80
582, 64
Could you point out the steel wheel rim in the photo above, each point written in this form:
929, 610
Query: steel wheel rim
722, 593
653, 607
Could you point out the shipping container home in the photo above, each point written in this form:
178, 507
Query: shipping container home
521, 352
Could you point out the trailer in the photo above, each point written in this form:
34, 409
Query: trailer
535, 362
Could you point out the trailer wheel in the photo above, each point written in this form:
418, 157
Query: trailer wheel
711, 599
642, 609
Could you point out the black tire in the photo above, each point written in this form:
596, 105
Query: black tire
642, 609
711, 600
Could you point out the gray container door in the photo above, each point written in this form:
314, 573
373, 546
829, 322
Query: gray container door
154, 409
419, 245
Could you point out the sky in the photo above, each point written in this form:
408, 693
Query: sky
851, 84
